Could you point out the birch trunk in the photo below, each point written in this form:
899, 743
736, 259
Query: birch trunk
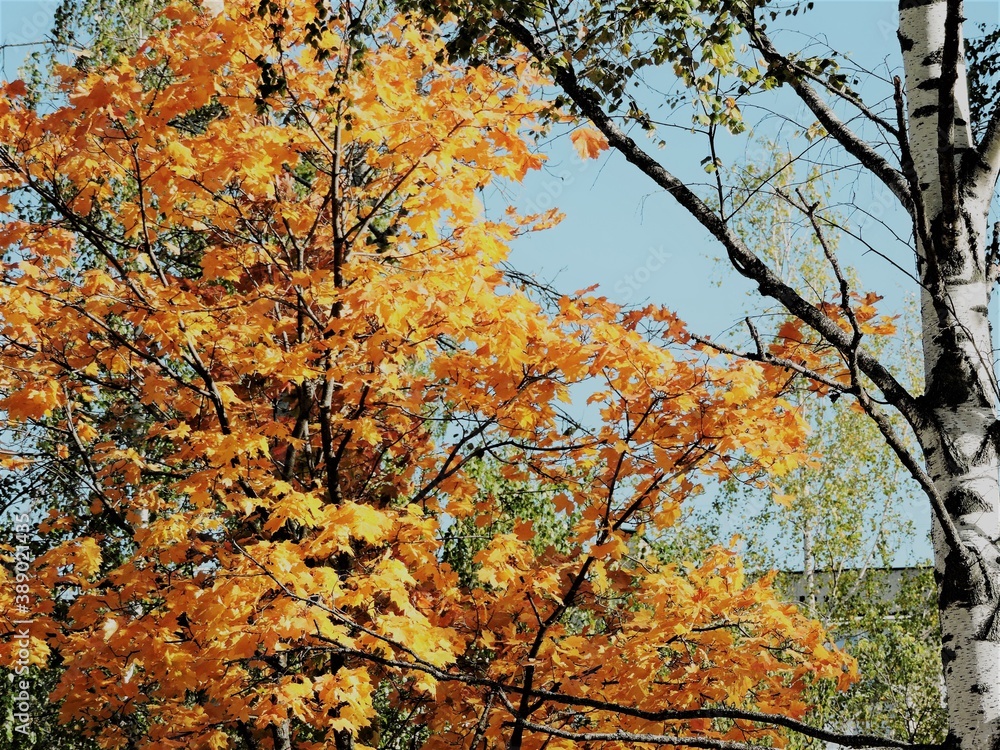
960, 402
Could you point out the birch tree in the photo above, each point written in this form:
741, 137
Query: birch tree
919, 145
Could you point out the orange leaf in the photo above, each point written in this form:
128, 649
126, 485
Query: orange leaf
589, 142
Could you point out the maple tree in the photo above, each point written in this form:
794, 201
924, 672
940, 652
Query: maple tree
258, 327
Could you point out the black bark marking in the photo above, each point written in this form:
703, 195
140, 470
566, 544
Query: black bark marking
989, 449
951, 259
974, 162
928, 110
955, 459
905, 43
991, 631
947, 656
953, 380
950, 383
976, 275
967, 580
961, 501
911, 4
931, 84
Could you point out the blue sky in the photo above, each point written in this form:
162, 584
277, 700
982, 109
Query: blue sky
623, 233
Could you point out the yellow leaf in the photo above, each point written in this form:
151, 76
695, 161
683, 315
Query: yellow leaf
783, 500
589, 142
179, 153
109, 628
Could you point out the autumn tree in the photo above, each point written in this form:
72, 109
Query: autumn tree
256, 322
936, 152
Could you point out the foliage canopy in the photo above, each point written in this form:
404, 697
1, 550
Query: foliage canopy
258, 327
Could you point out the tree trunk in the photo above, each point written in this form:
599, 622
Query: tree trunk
960, 400
282, 735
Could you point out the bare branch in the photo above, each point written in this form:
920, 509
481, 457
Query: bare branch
913, 465
854, 145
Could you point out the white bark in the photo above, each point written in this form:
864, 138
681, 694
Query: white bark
961, 396
921, 38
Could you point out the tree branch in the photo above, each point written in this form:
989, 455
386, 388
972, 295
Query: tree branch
855, 146
497, 687
987, 155
117, 518
766, 358
706, 743
743, 259
721, 712
863, 108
